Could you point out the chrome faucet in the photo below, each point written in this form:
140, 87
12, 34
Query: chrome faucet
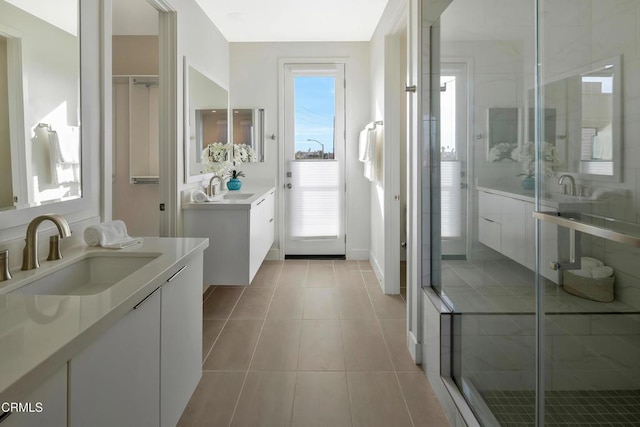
30, 253
572, 185
212, 188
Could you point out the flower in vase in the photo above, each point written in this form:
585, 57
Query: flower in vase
525, 153
234, 174
501, 151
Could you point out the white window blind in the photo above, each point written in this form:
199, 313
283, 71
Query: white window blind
314, 208
451, 220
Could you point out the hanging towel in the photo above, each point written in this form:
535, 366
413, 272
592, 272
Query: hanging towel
367, 149
110, 234
64, 147
363, 144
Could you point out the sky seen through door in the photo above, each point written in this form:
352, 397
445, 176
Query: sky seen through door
314, 117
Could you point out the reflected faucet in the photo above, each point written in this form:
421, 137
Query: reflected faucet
572, 184
212, 188
30, 253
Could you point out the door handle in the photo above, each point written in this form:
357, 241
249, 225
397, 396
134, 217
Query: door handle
289, 186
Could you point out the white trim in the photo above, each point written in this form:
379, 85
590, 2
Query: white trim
358, 254
281, 131
415, 348
107, 116
375, 264
168, 141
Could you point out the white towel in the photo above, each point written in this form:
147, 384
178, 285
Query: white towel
110, 234
588, 262
363, 145
199, 196
64, 147
601, 272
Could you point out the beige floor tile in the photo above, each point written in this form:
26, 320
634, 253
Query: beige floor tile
355, 304
395, 335
210, 331
235, 345
388, 306
207, 292
346, 265
320, 276
220, 303
370, 278
345, 278
296, 262
364, 347
321, 346
421, 400
213, 401
267, 275
317, 262
278, 347
293, 275
273, 262
266, 400
321, 303
376, 400
321, 399
365, 266
253, 304
287, 303
403, 293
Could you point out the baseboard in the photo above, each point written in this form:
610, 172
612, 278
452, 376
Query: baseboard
379, 272
358, 254
415, 348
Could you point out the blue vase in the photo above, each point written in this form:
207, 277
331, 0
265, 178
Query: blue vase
529, 183
234, 184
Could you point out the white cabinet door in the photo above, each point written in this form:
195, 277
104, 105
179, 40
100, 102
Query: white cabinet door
181, 340
262, 225
513, 235
490, 206
115, 381
489, 233
52, 395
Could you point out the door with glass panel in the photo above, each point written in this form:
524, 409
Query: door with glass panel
314, 192
454, 160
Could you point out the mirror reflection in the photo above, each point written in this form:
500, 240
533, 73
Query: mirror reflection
248, 129
582, 120
208, 119
39, 103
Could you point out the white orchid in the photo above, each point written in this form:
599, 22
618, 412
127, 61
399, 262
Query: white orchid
525, 153
222, 159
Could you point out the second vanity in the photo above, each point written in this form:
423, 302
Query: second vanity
241, 229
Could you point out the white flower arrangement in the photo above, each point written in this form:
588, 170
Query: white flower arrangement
525, 153
222, 159
501, 151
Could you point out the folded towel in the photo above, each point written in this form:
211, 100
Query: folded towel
588, 262
601, 272
199, 196
110, 234
585, 272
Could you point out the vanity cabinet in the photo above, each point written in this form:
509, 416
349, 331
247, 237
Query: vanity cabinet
143, 370
52, 393
241, 234
115, 380
181, 340
506, 225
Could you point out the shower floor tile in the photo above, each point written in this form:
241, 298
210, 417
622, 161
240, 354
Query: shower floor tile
575, 408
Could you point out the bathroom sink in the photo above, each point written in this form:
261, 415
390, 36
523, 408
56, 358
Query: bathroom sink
87, 276
237, 196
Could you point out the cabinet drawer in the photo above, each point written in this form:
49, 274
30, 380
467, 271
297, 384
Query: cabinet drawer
489, 233
490, 206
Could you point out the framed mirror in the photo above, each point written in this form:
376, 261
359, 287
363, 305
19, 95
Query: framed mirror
206, 119
248, 129
503, 132
40, 143
583, 120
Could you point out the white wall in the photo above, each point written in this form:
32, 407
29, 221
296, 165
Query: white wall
389, 20
254, 77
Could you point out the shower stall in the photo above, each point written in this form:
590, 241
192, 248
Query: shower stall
544, 293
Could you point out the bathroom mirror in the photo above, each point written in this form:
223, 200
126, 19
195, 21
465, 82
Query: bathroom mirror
583, 114
248, 128
206, 119
40, 145
503, 132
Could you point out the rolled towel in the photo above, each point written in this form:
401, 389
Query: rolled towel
110, 234
588, 262
199, 196
601, 272
584, 272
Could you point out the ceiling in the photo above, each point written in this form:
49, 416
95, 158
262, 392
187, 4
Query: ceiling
63, 13
294, 20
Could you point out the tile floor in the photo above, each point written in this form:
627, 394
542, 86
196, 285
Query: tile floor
309, 343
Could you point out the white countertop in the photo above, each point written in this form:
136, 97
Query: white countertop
257, 192
40, 333
550, 199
